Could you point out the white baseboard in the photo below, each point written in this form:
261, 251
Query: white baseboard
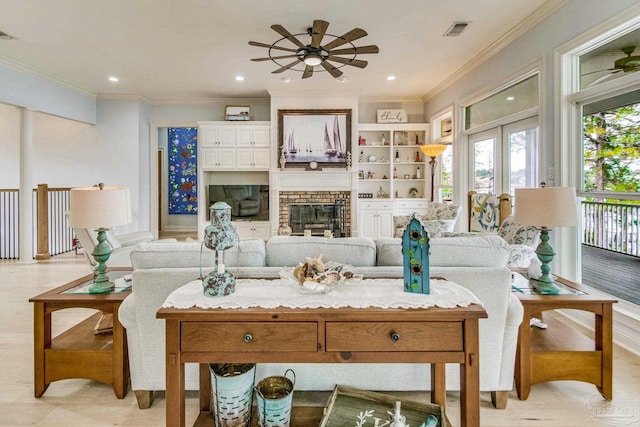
626, 322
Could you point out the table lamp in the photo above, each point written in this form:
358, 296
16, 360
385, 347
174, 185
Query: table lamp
219, 236
433, 151
100, 208
546, 207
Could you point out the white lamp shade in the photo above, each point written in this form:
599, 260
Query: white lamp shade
92, 207
546, 207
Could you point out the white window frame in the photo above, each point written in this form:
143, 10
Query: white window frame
569, 99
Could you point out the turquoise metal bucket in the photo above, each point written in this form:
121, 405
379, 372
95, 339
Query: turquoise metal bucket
232, 393
274, 396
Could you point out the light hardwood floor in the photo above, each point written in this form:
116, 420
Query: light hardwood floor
79, 402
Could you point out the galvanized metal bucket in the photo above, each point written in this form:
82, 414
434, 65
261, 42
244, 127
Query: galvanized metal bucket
274, 396
232, 389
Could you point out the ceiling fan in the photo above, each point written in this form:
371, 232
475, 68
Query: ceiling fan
314, 53
629, 64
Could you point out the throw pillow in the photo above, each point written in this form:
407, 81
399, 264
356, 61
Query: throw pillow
518, 234
441, 211
435, 228
485, 213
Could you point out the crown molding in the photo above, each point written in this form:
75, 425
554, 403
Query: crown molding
543, 12
373, 99
40, 75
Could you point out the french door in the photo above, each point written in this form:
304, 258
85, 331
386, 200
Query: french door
504, 157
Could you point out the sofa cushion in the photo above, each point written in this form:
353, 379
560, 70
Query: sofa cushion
189, 254
437, 210
468, 251
290, 250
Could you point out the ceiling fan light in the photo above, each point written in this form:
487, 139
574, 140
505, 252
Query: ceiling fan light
312, 59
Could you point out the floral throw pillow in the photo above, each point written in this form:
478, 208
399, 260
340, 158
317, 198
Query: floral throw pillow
441, 211
518, 234
435, 228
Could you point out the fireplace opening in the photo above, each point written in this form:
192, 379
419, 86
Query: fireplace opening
318, 217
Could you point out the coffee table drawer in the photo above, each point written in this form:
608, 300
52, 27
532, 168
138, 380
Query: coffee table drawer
394, 336
249, 336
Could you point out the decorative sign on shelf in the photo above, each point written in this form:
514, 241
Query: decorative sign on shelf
392, 116
415, 253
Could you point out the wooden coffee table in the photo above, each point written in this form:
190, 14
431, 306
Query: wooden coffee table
323, 335
560, 352
78, 352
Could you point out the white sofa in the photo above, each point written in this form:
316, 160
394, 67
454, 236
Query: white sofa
477, 263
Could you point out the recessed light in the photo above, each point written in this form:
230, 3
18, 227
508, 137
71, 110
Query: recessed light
114, 79
342, 79
239, 78
510, 98
391, 78
286, 79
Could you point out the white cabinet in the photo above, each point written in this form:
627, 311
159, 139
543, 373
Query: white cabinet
252, 158
218, 136
253, 136
375, 218
248, 230
407, 207
217, 158
389, 158
242, 146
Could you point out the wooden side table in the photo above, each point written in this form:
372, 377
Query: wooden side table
78, 352
560, 352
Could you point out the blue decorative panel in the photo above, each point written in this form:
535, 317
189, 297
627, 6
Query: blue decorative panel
183, 176
415, 252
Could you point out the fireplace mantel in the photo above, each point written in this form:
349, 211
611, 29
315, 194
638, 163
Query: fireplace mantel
324, 180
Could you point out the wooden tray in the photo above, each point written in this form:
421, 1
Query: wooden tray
349, 406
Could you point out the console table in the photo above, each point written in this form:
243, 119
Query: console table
559, 352
320, 335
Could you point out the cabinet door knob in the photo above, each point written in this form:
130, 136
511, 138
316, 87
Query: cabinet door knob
395, 337
248, 338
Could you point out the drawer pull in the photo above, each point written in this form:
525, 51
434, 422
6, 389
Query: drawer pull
248, 338
395, 337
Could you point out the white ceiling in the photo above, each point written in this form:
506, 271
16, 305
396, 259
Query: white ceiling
185, 50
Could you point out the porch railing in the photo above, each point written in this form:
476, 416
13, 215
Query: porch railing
51, 232
611, 226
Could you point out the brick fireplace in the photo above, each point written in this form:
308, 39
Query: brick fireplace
287, 198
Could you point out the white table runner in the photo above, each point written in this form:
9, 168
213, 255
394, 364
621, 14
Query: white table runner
383, 293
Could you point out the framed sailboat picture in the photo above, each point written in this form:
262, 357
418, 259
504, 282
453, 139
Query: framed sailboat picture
320, 136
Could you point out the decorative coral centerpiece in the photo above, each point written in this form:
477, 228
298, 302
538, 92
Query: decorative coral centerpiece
317, 277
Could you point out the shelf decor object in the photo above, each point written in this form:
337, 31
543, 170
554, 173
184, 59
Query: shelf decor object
546, 207
219, 236
415, 253
433, 151
100, 208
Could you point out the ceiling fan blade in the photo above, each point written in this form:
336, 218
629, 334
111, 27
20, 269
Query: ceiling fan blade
287, 35
286, 67
308, 72
317, 32
602, 78
273, 57
270, 46
598, 71
347, 37
356, 50
349, 61
331, 69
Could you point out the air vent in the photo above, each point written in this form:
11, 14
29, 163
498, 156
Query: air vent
456, 29
5, 36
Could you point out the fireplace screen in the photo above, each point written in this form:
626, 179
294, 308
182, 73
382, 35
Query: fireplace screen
318, 217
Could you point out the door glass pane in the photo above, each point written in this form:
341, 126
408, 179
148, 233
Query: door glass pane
483, 165
523, 159
446, 178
